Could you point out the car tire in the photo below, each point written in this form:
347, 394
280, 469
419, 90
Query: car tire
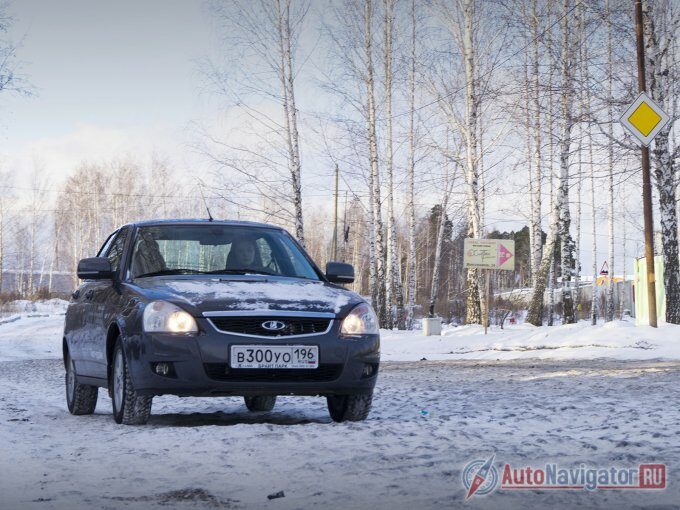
129, 408
260, 402
349, 407
80, 398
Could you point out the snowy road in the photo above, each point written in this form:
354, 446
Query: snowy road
212, 453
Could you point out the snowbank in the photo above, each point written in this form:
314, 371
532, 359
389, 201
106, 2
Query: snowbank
36, 332
50, 306
617, 340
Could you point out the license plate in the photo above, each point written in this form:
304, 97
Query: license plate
274, 356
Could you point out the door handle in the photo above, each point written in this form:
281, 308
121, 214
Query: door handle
89, 294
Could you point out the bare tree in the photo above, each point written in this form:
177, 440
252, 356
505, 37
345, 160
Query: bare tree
411, 174
256, 28
378, 253
662, 22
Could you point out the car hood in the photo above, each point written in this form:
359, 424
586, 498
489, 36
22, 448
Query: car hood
211, 294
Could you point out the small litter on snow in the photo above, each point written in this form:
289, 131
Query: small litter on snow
276, 495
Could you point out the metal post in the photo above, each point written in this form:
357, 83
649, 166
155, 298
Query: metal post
486, 302
335, 216
646, 180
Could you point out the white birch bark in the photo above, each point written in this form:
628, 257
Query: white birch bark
378, 290
473, 311
662, 81
411, 176
609, 312
393, 293
566, 241
595, 298
536, 199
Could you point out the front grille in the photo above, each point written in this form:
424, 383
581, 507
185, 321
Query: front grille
254, 325
222, 372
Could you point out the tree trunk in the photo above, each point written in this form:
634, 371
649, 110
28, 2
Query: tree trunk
287, 79
538, 171
411, 176
473, 312
659, 63
609, 314
378, 291
394, 294
566, 241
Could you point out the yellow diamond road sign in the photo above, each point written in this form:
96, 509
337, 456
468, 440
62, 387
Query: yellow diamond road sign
644, 119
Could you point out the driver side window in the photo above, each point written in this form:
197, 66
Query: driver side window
115, 251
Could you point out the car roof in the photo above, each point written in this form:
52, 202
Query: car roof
200, 221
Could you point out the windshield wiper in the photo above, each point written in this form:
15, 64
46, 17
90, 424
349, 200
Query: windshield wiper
241, 271
170, 272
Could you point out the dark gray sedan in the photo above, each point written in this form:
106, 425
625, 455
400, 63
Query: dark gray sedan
215, 308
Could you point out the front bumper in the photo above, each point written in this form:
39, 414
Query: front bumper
201, 365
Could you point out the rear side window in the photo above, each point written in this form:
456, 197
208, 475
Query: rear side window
114, 252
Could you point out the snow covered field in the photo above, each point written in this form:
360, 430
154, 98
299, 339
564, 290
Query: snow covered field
430, 419
34, 331
617, 340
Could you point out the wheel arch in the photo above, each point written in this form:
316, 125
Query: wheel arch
64, 350
112, 335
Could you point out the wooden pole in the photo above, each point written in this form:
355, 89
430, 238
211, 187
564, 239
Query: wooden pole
646, 180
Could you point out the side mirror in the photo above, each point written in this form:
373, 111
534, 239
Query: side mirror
339, 272
95, 268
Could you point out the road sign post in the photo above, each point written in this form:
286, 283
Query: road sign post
644, 119
489, 255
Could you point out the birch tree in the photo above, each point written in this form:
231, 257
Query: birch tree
564, 224
661, 25
609, 312
269, 161
462, 21
378, 252
411, 174
394, 292
536, 231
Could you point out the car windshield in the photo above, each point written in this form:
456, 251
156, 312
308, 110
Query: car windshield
217, 249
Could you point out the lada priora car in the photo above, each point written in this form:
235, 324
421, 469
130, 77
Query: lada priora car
216, 308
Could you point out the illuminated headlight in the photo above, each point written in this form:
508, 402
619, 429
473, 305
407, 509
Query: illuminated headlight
164, 317
360, 321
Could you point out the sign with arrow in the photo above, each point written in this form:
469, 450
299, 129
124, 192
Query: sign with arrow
489, 254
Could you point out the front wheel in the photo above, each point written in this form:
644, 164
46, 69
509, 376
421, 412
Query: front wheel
80, 398
260, 402
349, 407
129, 408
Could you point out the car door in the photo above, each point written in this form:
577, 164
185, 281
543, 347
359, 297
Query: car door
77, 316
101, 301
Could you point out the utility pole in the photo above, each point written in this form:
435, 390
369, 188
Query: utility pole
335, 216
646, 180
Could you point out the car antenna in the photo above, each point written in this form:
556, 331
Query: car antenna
200, 186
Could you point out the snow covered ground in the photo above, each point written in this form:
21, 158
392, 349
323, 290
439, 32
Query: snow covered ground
34, 331
430, 418
617, 340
